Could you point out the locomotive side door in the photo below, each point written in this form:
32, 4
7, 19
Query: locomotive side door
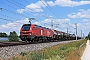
42, 32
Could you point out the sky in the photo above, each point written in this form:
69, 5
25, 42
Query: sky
63, 14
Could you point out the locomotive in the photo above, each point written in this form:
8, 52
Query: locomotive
33, 32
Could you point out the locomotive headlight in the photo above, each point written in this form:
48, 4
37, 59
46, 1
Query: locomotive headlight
30, 33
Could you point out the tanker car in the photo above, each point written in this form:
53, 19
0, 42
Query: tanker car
32, 32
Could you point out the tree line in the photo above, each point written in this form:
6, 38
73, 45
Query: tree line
3, 34
12, 37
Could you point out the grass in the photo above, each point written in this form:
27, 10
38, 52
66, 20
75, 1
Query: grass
4, 40
69, 51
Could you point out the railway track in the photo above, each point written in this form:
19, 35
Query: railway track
6, 44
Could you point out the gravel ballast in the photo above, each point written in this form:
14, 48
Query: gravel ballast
7, 52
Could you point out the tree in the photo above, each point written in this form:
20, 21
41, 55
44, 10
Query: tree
88, 37
3, 34
13, 36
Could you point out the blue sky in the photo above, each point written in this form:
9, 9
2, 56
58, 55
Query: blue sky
64, 13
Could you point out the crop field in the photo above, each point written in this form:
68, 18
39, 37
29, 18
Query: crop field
68, 51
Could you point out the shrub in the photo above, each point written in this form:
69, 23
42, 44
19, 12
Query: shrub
23, 53
13, 36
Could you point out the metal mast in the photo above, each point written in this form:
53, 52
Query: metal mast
76, 30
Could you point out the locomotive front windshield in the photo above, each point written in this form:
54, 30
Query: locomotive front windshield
26, 27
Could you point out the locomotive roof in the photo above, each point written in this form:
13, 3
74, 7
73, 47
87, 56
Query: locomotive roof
37, 26
41, 27
26, 24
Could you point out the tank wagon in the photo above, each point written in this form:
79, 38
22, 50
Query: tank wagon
32, 32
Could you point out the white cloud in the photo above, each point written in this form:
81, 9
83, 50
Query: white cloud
37, 23
13, 26
38, 14
50, 3
33, 7
37, 7
68, 3
20, 10
80, 14
47, 21
86, 21
58, 24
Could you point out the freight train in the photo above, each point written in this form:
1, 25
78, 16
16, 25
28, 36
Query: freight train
32, 33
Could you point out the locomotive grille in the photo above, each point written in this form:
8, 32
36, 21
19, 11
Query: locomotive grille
25, 33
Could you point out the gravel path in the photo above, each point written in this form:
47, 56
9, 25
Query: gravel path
7, 52
86, 54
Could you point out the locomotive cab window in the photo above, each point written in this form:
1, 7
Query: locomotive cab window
26, 27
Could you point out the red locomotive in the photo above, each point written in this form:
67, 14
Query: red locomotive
32, 32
